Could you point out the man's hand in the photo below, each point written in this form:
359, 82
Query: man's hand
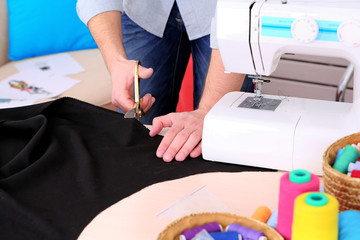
106, 30
184, 136
122, 77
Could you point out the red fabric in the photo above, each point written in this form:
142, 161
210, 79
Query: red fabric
186, 99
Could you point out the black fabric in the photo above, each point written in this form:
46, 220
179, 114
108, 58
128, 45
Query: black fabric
63, 162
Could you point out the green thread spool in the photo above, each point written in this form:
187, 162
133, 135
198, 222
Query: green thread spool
316, 199
299, 176
350, 154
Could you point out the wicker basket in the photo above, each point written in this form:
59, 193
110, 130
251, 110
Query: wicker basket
173, 231
346, 189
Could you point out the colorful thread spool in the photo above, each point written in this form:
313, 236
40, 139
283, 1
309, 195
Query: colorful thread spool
355, 174
340, 151
272, 222
225, 236
245, 232
315, 217
354, 166
349, 225
292, 184
350, 154
209, 227
262, 214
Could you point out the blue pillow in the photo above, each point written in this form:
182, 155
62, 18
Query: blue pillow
41, 27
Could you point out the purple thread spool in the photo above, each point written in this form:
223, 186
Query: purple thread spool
226, 236
246, 233
209, 227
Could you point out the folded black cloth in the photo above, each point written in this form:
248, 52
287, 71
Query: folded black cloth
63, 162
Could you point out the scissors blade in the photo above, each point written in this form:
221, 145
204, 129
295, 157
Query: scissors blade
131, 113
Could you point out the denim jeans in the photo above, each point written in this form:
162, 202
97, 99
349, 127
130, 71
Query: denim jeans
168, 56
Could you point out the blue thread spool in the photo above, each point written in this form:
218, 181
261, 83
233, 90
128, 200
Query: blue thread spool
225, 236
350, 154
209, 227
349, 225
245, 232
340, 151
272, 222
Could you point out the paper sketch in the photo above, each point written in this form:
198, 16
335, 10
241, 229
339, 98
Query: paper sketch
23, 86
22, 89
58, 64
10, 103
38, 78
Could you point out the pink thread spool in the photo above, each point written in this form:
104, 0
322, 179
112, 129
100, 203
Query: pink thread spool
292, 184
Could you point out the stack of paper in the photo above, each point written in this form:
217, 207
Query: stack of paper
39, 78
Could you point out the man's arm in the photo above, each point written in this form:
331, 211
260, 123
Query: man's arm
184, 136
106, 31
218, 83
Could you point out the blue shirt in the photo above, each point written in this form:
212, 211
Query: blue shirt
153, 15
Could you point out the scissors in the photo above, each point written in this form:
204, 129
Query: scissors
137, 111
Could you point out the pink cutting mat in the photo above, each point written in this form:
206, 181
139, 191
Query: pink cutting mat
137, 217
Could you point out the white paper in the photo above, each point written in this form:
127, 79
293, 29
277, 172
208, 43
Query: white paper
10, 103
38, 78
23, 89
58, 64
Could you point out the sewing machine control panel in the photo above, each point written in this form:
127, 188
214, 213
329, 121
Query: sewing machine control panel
306, 29
349, 33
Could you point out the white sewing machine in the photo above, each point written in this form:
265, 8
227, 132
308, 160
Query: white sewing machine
280, 132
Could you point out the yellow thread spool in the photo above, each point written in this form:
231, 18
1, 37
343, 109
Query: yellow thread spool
315, 217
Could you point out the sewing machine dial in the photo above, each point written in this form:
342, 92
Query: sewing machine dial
304, 29
349, 33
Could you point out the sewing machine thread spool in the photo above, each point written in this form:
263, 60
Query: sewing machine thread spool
245, 232
350, 154
226, 236
292, 184
349, 225
338, 154
209, 227
355, 174
355, 146
315, 217
262, 214
272, 222
354, 166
